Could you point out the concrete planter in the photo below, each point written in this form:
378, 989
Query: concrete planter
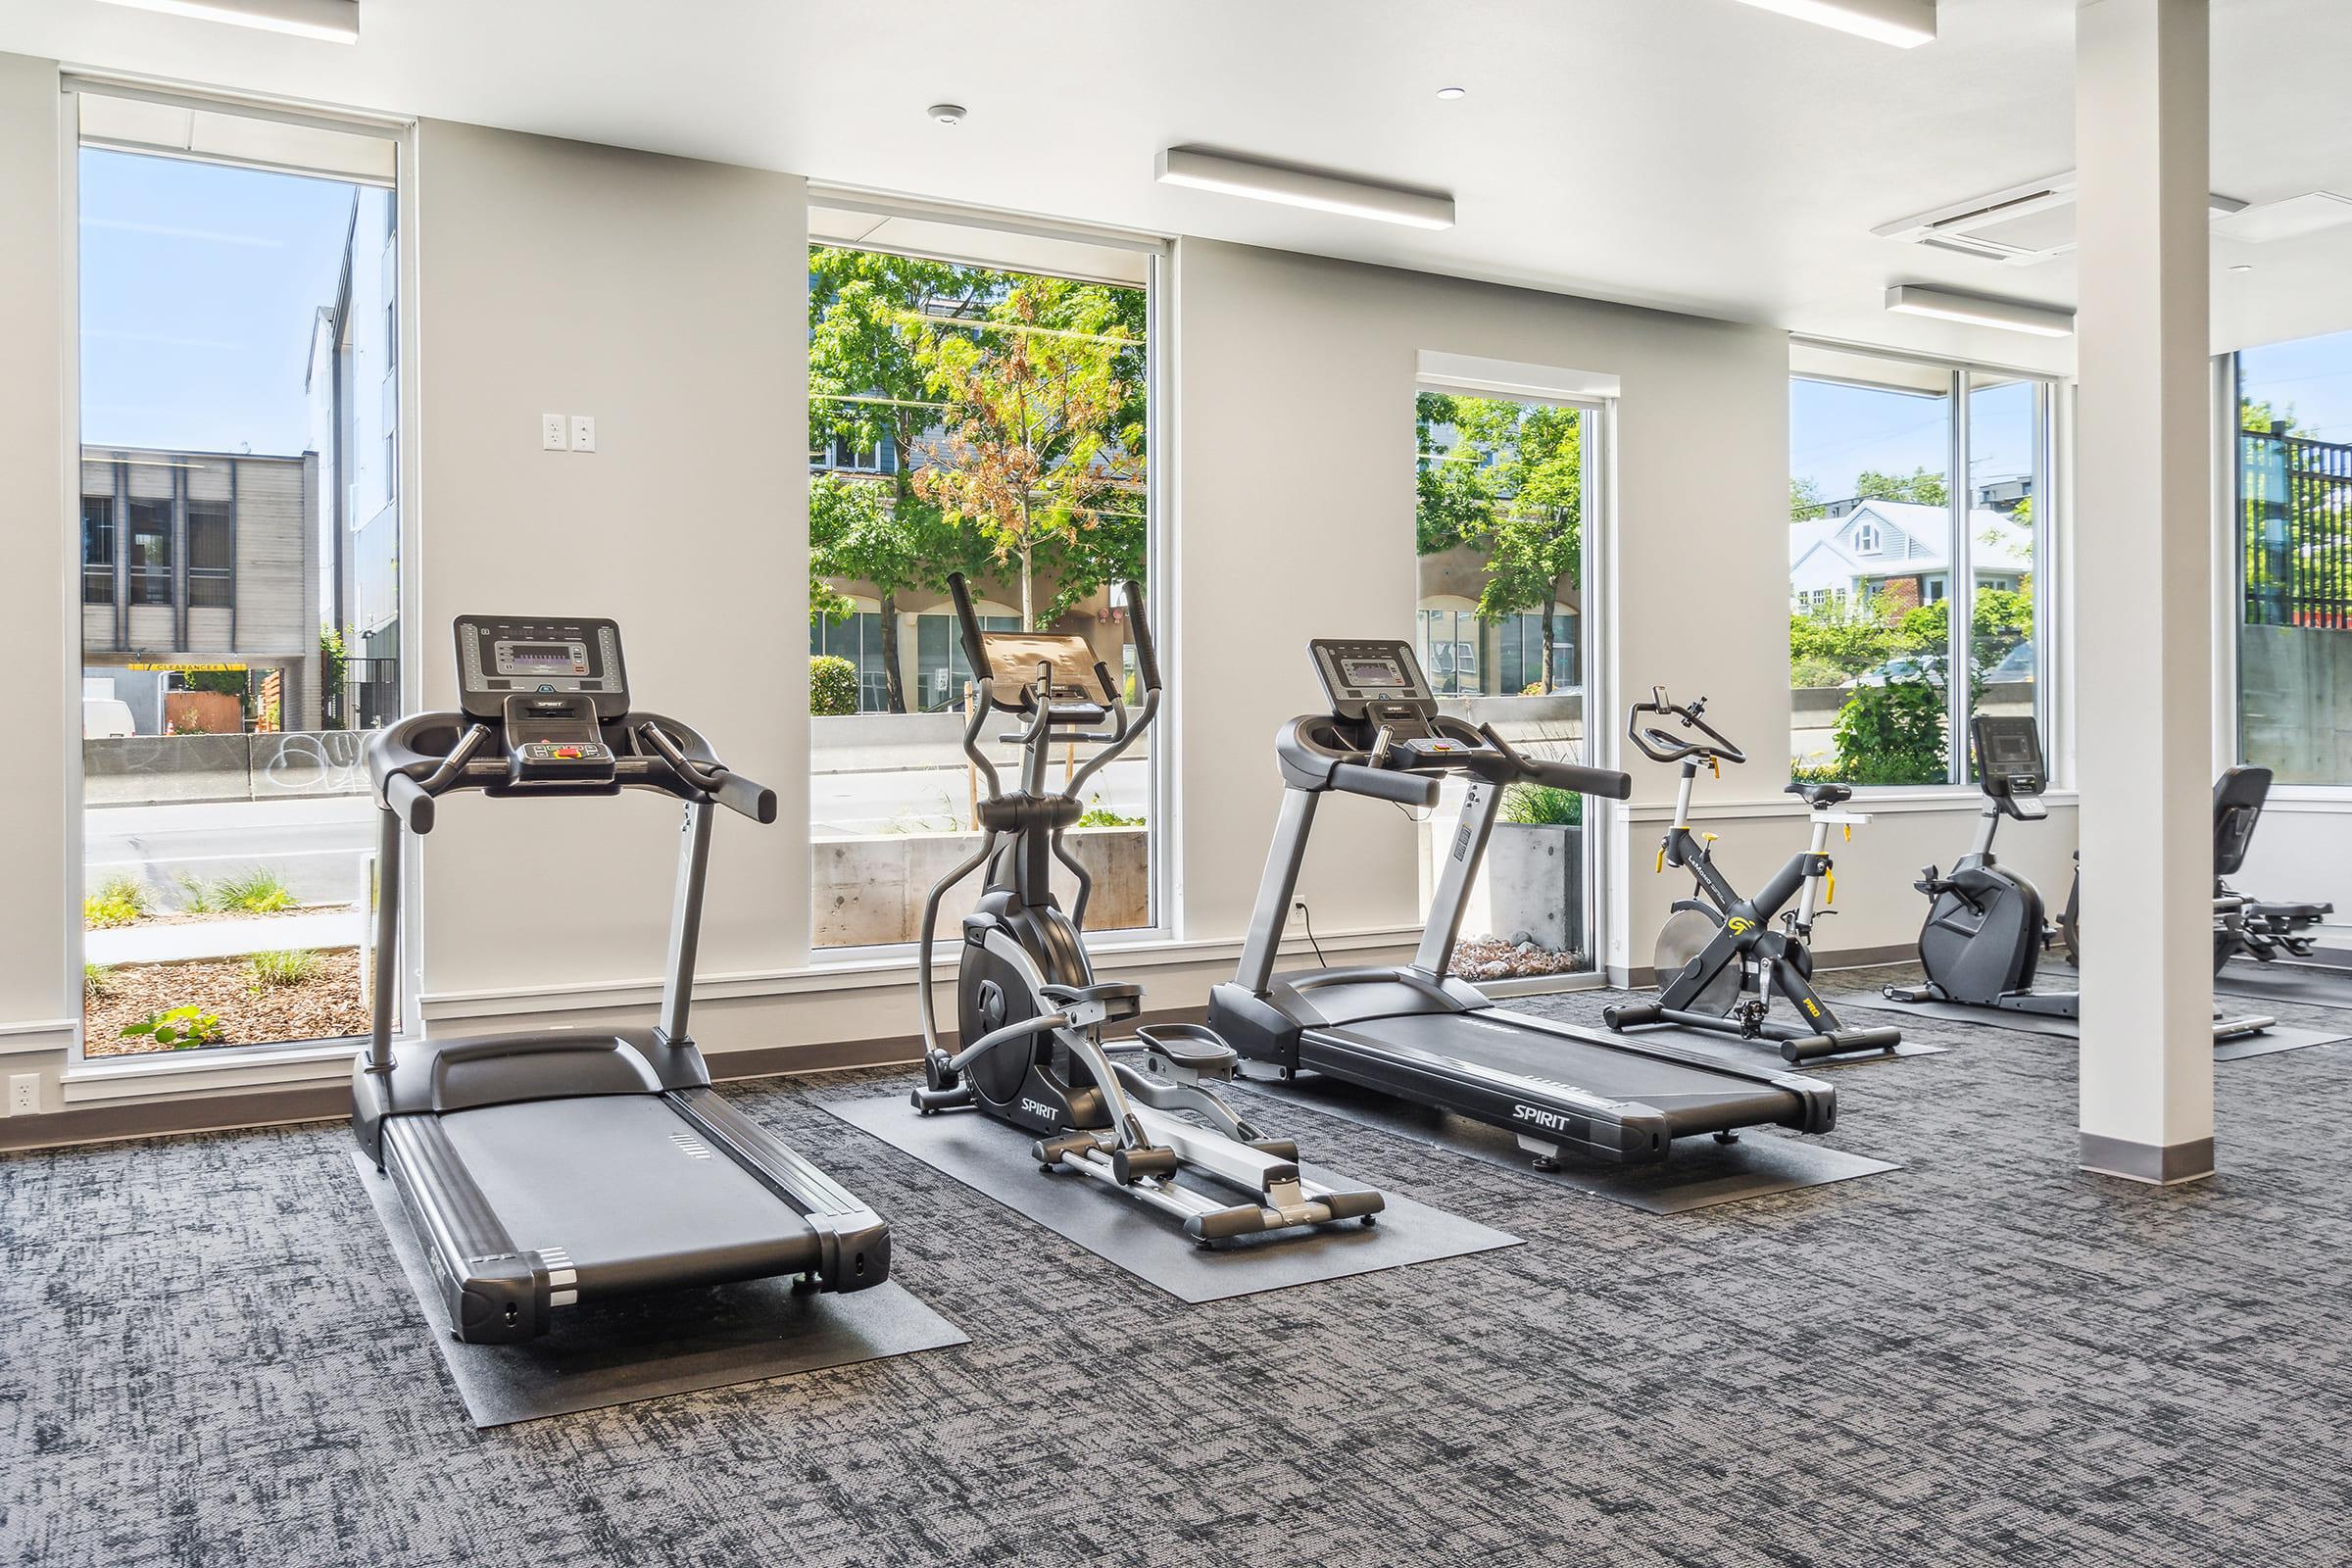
1535, 884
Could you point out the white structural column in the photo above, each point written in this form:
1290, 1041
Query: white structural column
2142, 592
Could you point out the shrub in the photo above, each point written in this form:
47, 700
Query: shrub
1097, 814
195, 898
119, 900
1542, 805
295, 967
832, 686
98, 979
177, 1029
1891, 734
260, 891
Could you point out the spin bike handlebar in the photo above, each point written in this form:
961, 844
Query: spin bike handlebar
1660, 745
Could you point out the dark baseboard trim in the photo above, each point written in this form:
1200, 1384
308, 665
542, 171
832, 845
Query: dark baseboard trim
2162, 1166
271, 1107
156, 1118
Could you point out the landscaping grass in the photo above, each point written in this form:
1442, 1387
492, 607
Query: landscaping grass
260, 891
295, 967
119, 900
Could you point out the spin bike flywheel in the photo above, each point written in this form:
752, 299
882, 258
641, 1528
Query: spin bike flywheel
1685, 933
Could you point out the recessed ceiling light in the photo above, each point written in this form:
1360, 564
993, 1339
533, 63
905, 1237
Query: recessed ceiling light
947, 113
1905, 23
1449, 95
1978, 309
333, 21
1293, 186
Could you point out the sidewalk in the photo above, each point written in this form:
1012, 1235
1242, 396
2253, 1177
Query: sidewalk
224, 939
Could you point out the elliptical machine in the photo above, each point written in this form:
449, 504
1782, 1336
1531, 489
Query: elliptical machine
1718, 958
1029, 1013
1984, 936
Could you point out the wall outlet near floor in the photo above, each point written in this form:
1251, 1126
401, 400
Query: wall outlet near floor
583, 432
554, 432
24, 1093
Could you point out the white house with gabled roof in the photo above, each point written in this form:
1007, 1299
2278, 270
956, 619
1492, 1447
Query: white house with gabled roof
1903, 548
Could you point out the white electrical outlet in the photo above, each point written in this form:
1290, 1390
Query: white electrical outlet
24, 1093
552, 436
583, 432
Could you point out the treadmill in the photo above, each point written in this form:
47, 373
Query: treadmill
548, 1168
1416, 1033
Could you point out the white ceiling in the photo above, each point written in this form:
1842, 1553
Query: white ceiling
1693, 154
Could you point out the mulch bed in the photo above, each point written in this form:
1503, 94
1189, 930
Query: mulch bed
1494, 958
326, 1007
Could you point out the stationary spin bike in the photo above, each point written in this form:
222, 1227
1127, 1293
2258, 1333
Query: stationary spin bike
1719, 960
1029, 1013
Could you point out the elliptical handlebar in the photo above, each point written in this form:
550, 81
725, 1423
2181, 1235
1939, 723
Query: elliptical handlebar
1147, 653
967, 619
1662, 745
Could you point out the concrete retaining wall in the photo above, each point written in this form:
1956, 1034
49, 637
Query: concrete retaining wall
2297, 685
870, 890
155, 770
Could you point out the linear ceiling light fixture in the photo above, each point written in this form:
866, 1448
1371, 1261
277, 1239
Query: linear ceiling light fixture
2011, 315
1293, 186
334, 21
1905, 23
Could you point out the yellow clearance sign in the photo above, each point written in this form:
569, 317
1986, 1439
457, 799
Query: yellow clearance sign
193, 669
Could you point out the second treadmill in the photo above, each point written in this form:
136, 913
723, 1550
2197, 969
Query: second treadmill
1414, 1032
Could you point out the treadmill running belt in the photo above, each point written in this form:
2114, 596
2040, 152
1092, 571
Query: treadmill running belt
1693, 1097
624, 1186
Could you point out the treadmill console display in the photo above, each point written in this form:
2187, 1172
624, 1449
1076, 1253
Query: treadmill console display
506, 655
1380, 680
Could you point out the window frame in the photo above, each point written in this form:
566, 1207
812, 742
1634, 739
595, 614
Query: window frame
1164, 810
292, 1058
2052, 480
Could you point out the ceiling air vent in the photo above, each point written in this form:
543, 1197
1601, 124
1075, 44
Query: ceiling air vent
2021, 225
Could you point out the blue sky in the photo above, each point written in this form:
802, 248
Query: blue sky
2311, 378
198, 288
1837, 431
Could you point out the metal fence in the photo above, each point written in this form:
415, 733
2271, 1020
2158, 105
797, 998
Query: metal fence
2295, 525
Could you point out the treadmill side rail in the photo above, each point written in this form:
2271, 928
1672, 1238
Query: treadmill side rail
493, 1292
855, 1240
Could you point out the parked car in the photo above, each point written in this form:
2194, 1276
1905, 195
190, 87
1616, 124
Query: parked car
1901, 667
106, 718
2016, 666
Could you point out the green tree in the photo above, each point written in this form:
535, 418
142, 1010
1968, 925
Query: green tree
1838, 638
1805, 504
1919, 487
1037, 461
1511, 484
870, 315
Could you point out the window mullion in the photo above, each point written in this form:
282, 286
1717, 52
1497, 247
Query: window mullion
1961, 591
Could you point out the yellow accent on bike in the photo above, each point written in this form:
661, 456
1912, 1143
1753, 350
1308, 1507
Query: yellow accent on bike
1849, 832
1661, 865
1829, 893
1707, 838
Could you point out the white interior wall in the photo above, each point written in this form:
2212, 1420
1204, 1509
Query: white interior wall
38, 616
1311, 535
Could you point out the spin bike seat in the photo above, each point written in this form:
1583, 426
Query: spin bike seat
1819, 795
1118, 1001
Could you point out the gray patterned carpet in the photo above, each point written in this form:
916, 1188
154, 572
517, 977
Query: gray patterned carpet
1984, 1357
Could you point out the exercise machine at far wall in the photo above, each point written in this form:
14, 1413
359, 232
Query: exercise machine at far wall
2265, 931
1029, 1013
1414, 1032
1982, 940
557, 1166
1717, 959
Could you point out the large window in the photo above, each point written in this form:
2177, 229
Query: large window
2294, 558
988, 416
1899, 574
1500, 539
235, 327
